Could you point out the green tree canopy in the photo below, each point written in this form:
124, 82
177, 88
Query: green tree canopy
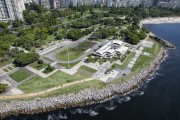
25, 58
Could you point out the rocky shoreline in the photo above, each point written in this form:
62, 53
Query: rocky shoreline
85, 97
162, 41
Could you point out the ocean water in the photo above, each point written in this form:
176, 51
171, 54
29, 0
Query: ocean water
157, 99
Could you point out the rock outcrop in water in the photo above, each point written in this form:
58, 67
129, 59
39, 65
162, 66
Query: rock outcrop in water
85, 97
162, 41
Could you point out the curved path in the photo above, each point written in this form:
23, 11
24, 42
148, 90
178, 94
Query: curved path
3, 97
86, 53
52, 55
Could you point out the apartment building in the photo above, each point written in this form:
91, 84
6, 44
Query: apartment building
11, 10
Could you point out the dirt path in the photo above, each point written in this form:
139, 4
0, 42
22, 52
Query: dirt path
43, 92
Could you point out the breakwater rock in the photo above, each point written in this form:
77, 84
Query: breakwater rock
85, 97
162, 41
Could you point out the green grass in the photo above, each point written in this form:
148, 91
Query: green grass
3, 87
69, 89
141, 63
138, 47
66, 65
126, 62
51, 38
150, 50
14, 66
20, 75
112, 59
59, 78
101, 61
48, 59
37, 66
5, 70
123, 57
10, 68
144, 61
77, 87
5, 63
75, 52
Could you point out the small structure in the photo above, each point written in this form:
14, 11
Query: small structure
147, 43
112, 48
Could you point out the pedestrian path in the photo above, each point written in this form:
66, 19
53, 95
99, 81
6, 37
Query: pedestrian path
45, 91
134, 59
40, 73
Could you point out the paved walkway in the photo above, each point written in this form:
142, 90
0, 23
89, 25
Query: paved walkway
40, 73
45, 91
75, 68
3, 73
134, 59
53, 47
25, 51
12, 88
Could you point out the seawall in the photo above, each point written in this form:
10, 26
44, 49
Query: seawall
84, 97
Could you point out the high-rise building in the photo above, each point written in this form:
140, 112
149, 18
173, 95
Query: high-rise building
146, 3
65, 3
53, 4
116, 3
27, 1
11, 10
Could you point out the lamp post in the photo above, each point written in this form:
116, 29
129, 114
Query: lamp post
67, 41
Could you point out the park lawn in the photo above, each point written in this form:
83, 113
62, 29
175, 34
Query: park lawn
66, 64
69, 89
144, 61
5, 70
112, 59
37, 83
74, 52
77, 87
46, 58
150, 50
51, 38
141, 63
123, 57
5, 63
126, 62
10, 68
37, 66
20, 75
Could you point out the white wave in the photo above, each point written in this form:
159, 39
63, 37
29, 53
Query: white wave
93, 113
73, 112
159, 74
111, 106
62, 117
49, 117
80, 111
126, 99
120, 100
141, 93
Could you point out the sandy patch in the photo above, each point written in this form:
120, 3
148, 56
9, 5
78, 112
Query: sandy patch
160, 20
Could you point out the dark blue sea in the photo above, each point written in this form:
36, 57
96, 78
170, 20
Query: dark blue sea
157, 99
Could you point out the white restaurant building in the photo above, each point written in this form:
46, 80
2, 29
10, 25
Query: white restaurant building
111, 49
